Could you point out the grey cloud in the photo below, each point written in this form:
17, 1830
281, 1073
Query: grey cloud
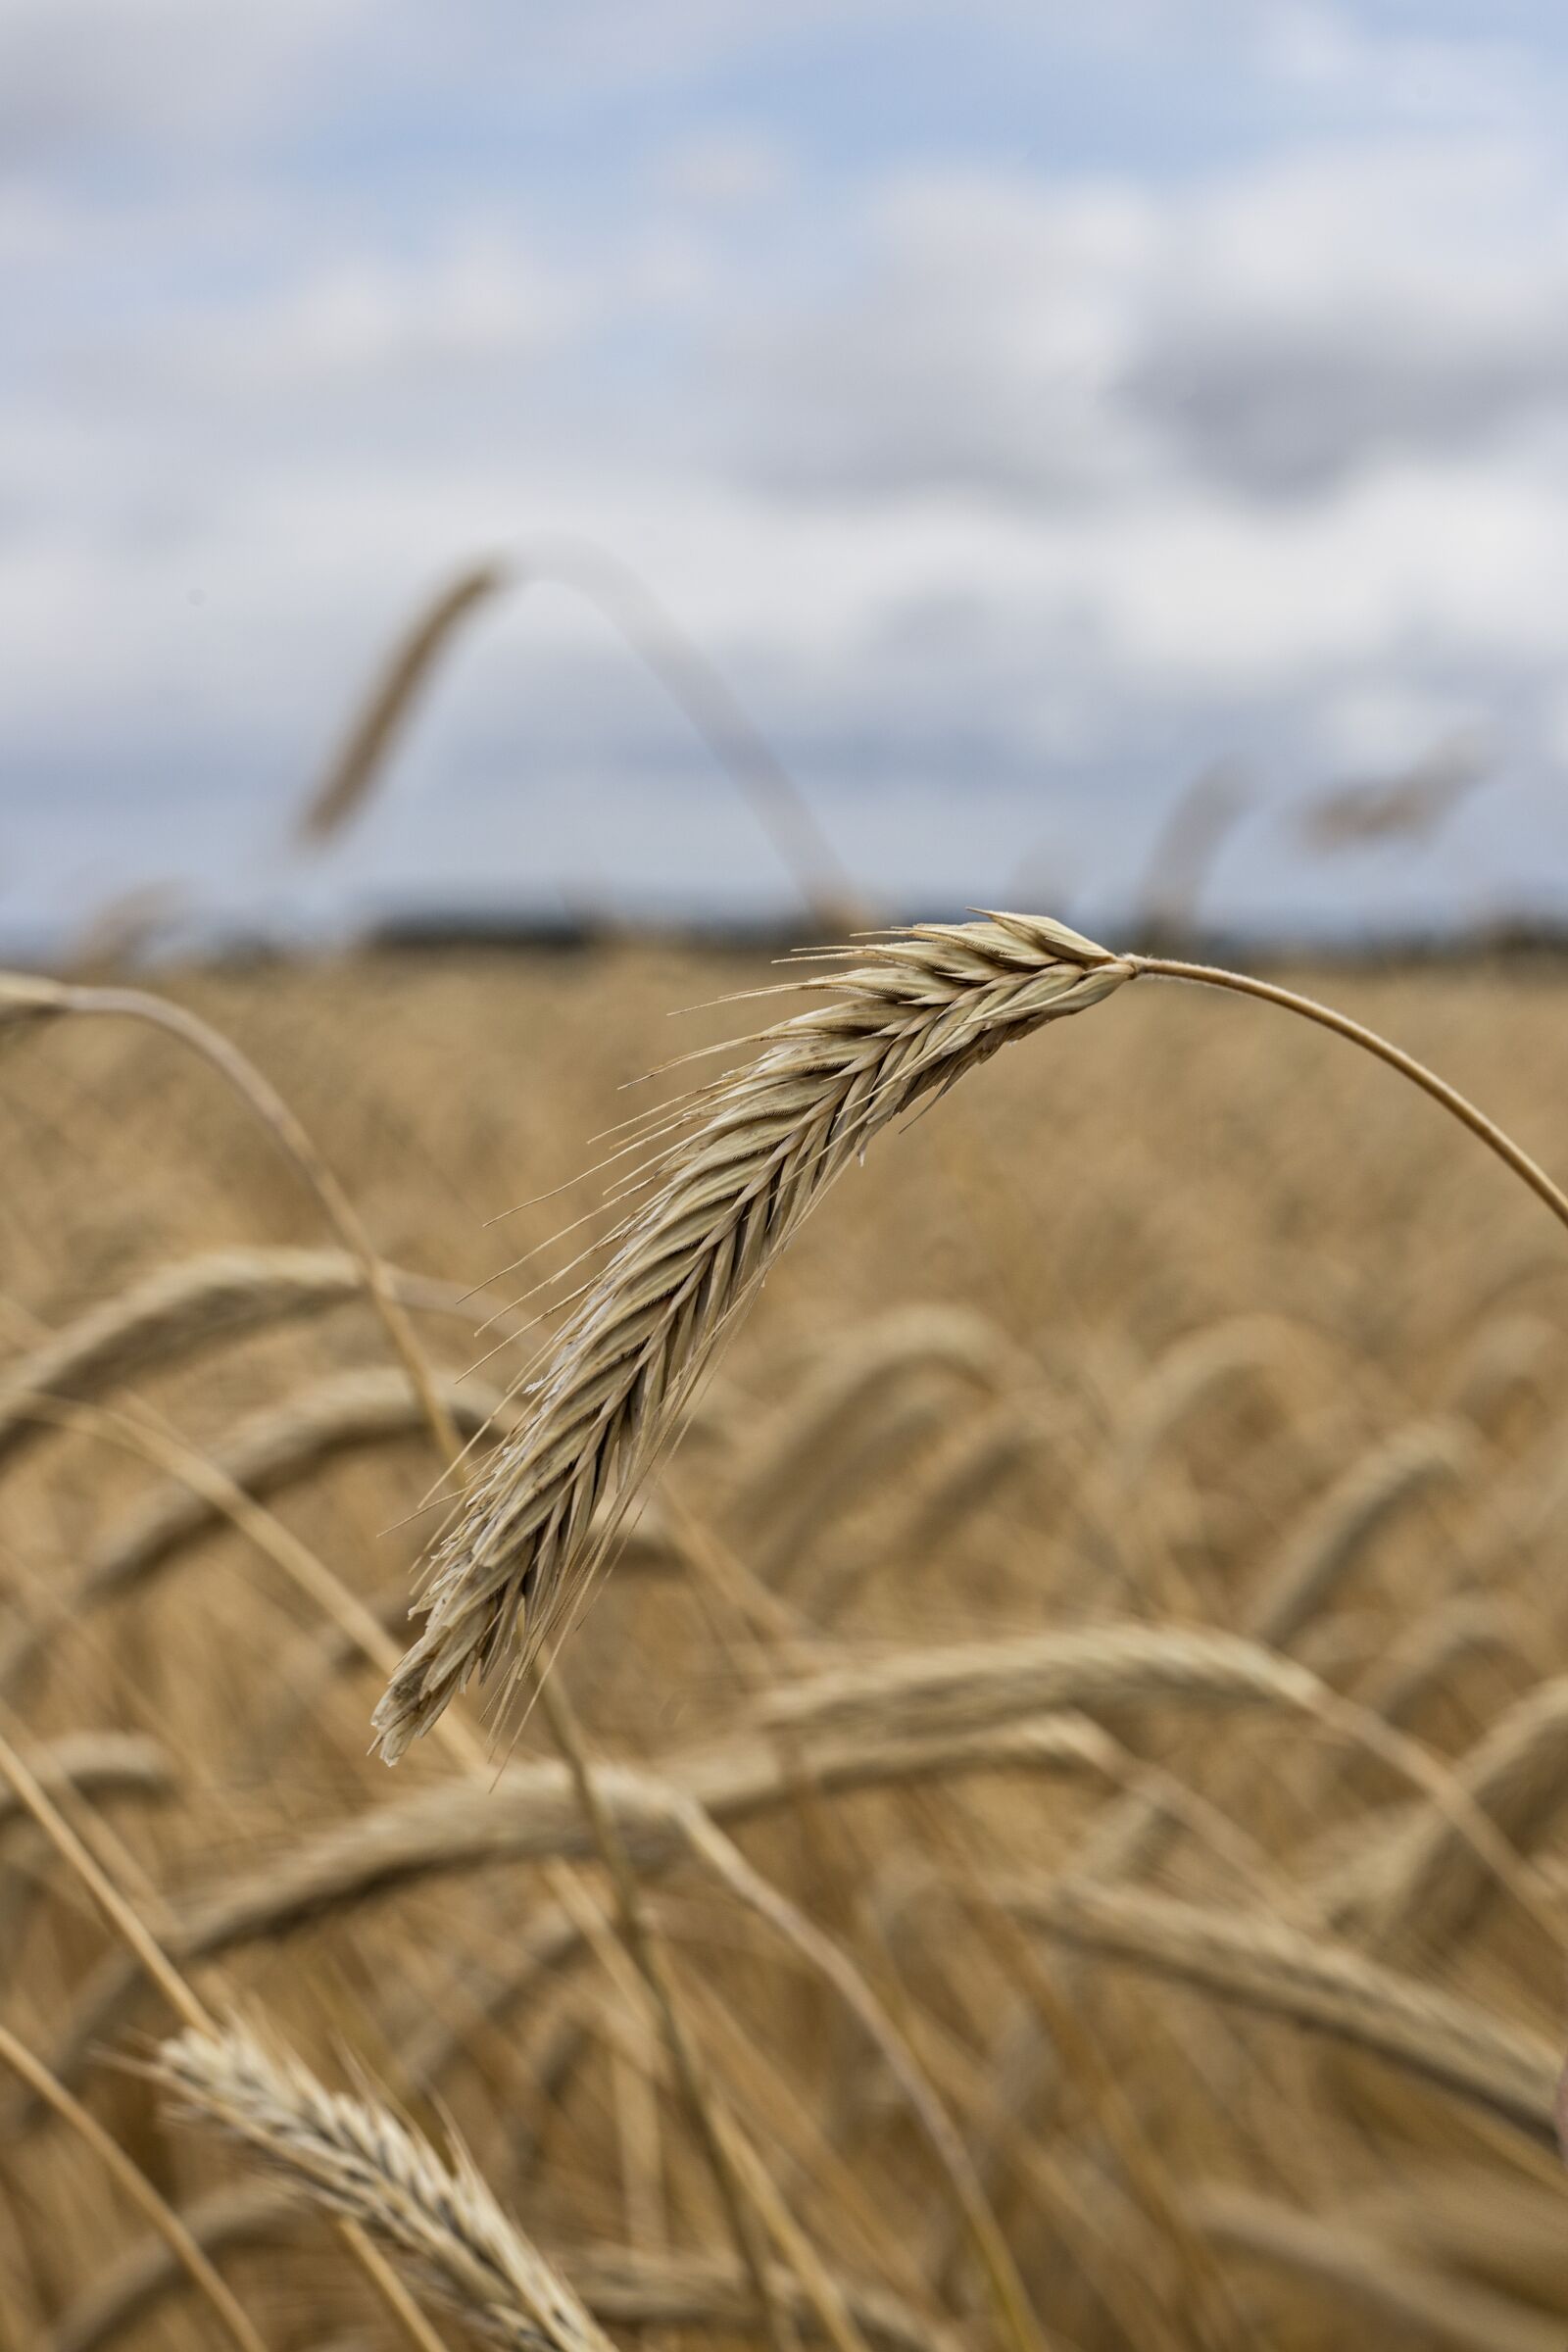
1256, 405
1272, 333
971, 349
1292, 408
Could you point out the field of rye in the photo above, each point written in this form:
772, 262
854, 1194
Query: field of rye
1042, 1824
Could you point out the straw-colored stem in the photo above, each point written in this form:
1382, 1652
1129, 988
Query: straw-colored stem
196, 2265
123, 1917
1463, 1109
1011, 2296
1213, 2317
25, 994
636, 1933
312, 1577
211, 1485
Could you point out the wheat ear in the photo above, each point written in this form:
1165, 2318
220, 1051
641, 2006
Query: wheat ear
687, 677
354, 2158
749, 1155
751, 1152
274, 1448
351, 773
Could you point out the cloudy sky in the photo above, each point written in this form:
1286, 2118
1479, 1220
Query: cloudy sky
1024, 405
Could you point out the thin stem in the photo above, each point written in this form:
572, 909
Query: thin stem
122, 1917
136, 2186
1463, 1109
136, 1431
823, 1954
1215, 2315
138, 1938
21, 993
643, 1945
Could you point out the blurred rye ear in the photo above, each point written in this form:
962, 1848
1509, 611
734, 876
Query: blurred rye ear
353, 774
751, 1153
354, 2158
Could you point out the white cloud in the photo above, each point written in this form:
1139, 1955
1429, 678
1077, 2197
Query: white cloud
962, 473
1276, 328
1353, 305
1407, 73
359, 321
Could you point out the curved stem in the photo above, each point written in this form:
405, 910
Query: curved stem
25, 994
1463, 1109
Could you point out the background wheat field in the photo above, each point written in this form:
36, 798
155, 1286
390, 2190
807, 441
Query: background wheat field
1110, 1587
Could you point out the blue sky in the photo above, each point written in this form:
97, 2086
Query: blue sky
1023, 406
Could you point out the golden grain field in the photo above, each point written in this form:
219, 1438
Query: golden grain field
1103, 1620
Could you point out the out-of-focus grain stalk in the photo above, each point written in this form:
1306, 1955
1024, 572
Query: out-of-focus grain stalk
352, 2157
24, 996
686, 674
349, 776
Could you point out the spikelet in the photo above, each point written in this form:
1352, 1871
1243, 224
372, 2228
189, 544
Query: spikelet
354, 2158
753, 1151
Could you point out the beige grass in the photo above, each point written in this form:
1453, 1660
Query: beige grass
1261, 1964
277, 1449
1421, 1886
181, 1311
1326, 1542
1109, 1223
95, 1764
531, 1813
1357, 2273
127, 2290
